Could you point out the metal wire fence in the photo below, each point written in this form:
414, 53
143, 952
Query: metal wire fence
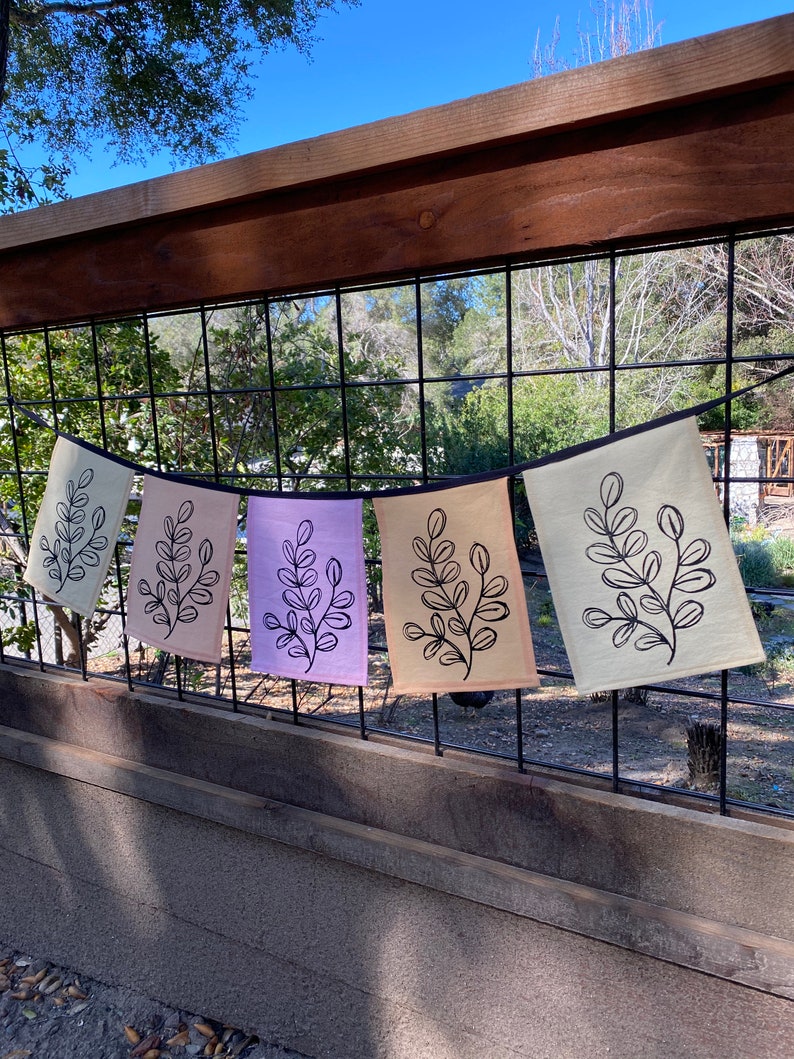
434, 377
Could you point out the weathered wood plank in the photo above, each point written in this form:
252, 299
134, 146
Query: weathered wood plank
731, 952
753, 56
697, 169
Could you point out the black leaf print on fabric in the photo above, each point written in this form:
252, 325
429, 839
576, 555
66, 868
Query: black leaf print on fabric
455, 634
77, 544
648, 612
312, 614
177, 594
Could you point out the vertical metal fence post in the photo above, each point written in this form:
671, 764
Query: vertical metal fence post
18, 474
726, 504
511, 459
117, 560
612, 428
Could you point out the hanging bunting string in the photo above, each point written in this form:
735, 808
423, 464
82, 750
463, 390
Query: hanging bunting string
447, 483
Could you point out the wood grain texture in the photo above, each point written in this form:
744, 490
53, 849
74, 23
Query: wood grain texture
727, 950
720, 64
692, 170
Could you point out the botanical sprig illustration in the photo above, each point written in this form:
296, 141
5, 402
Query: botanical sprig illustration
455, 634
179, 592
649, 604
76, 545
312, 613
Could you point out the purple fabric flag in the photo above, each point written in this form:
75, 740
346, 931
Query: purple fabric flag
181, 568
307, 589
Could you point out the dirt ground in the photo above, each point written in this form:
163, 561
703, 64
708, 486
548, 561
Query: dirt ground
561, 728
51, 1012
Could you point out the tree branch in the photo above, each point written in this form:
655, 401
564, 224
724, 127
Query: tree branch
5, 19
30, 17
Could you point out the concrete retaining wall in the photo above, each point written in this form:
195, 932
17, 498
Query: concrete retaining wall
356, 900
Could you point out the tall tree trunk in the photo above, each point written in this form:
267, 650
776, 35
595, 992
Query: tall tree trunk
5, 21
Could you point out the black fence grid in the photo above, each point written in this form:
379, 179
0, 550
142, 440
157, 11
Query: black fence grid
360, 389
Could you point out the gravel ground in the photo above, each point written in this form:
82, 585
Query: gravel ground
50, 1012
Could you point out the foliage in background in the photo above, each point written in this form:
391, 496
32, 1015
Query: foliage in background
139, 76
57, 375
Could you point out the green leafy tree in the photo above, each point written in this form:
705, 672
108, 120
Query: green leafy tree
278, 396
59, 375
140, 75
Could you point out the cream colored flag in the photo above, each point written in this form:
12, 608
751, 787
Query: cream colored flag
455, 609
640, 564
77, 526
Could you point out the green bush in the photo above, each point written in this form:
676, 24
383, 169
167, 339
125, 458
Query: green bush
782, 550
756, 563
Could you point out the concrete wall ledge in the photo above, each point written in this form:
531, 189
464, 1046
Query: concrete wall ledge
737, 954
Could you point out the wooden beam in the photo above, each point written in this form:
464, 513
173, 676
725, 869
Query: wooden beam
720, 64
697, 169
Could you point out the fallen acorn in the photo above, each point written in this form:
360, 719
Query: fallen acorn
132, 1035
204, 1029
34, 979
22, 994
179, 1040
75, 993
148, 1044
153, 1053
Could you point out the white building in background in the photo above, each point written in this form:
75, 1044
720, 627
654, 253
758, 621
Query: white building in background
760, 465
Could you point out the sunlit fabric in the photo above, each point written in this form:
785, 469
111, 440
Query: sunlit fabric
77, 526
307, 589
455, 608
640, 564
181, 568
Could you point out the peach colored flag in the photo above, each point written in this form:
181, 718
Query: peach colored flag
455, 608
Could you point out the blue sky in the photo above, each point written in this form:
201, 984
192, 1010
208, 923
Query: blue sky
381, 59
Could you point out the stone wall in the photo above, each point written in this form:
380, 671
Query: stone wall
352, 899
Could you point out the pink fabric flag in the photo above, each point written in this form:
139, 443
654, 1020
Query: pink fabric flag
307, 589
455, 608
77, 526
181, 568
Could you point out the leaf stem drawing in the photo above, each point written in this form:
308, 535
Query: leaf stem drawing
305, 636
654, 616
178, 604
70, 553
453, 636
